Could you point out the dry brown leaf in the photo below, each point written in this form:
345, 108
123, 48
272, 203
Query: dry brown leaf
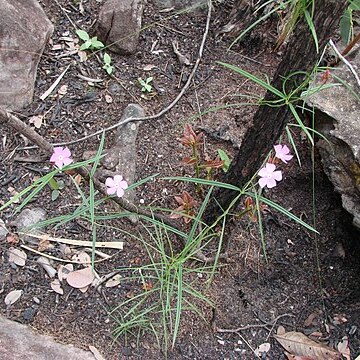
108, 99
12, 297
149, 67
12, 238
55, 285
310, 319
82, 258
343, 347
37, 121
44, 244
263, 348
299, 344
280, 330
17, 256
114, 281
96, 353
294, 357
64, 270
84, 289
81, 278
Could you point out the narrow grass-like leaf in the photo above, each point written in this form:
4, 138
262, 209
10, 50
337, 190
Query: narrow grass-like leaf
253, 78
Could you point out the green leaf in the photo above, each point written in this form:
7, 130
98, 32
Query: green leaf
354, 5
83, 35
346, 26
95, 43
86, 45
54, 195
107, 59
225, 158
54, 185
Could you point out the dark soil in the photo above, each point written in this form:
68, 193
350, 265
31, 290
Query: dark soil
310, 281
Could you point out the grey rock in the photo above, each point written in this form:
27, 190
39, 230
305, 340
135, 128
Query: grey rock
338, 118
26, 219
180, 4
3, 230
119, 25
121, 158
19, 342
24, 32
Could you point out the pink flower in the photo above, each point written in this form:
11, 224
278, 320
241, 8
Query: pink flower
269, 176
283, 153
116, 185
61, 157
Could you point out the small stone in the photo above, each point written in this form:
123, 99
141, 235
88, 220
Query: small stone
3, 230
119, 25
36, 300
29, 314
126, 351
26, 219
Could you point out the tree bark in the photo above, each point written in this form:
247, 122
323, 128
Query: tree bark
269, 122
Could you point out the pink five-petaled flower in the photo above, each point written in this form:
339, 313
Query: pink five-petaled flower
269, 176
116, 185
283, 153
61, 157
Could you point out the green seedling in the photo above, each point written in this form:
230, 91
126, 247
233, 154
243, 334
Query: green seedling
107, 64
225, 158
89, 43
146, 86
55, 186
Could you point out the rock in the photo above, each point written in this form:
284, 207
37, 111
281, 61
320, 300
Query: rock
3, 230
18, 342
26, 219
24, 32
337, 117
180, 4
121, 158
119, 25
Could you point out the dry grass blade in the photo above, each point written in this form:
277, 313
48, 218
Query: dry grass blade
300, 345
119, 245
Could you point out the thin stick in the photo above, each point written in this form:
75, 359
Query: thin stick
54, 85
246, 327
345, 62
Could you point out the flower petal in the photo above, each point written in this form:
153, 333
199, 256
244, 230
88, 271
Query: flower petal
120, 192
109, 182
262, 182
117, 179
270, 167
270, 183
111, 190
67, 161
66, 152
277, 175
123, 184
264, 172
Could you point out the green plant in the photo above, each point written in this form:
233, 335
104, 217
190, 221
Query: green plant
295, 10
107, 64
146, 86
89, 43
347, 21
225, 158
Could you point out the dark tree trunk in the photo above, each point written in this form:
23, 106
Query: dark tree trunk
269, 122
